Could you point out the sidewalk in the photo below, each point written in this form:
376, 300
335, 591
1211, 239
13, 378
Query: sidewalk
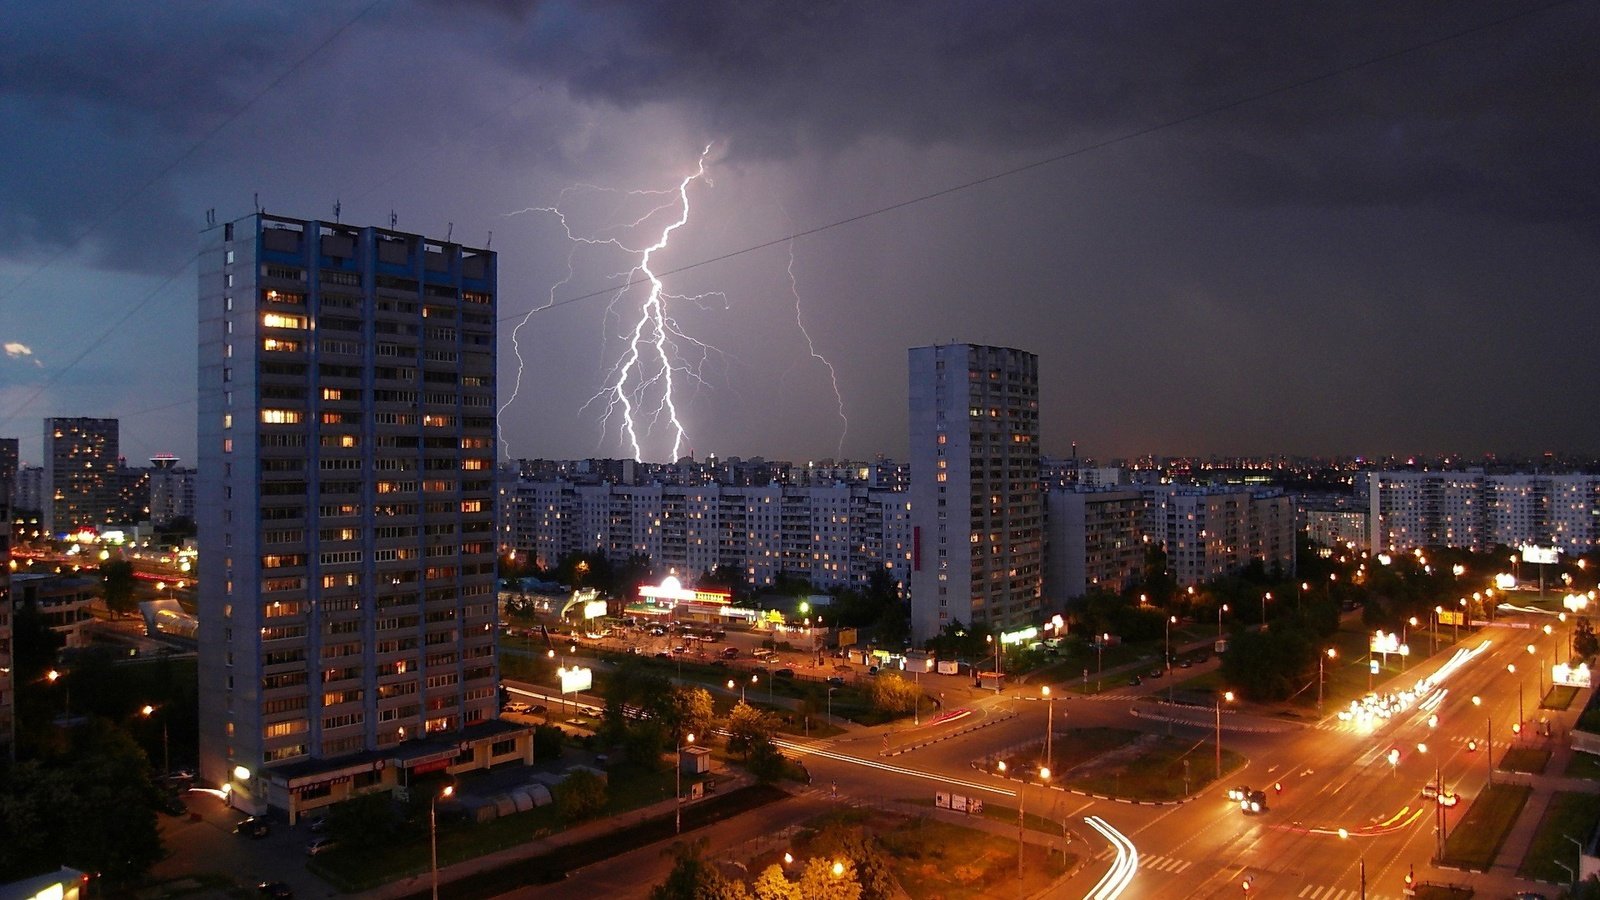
578, 833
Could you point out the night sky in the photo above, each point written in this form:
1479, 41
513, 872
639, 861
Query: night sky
1230, 228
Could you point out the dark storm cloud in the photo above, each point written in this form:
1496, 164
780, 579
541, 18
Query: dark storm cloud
1499, 118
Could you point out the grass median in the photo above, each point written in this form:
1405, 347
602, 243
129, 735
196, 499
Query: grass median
1570, 816
1477, 837
1531, 760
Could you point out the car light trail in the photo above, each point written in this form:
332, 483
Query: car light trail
898, 770
1118, 877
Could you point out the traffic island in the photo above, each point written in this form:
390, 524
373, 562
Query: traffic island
1531, 760
1121, 764
1476, 840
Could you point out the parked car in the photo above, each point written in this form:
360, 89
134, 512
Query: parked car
276, 890
253, 826
783, 673
836, 680
1135, 681
172, 805
730, 652
519, 707
317, 824
320, 845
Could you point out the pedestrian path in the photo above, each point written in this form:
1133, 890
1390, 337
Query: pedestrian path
1322, 892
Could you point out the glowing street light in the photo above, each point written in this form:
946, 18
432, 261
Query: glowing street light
1228, 697
1330, 653
677, 820
433, 832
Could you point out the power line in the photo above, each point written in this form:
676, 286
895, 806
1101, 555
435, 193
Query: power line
1060, 157
166, 170
59, 371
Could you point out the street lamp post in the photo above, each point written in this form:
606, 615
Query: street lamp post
1100, 660
677, 819
830, 704
1050, 723
1226, 696
1330, 653
1488, 738
1512, 668
1538, 673
166, 756
1220, 610
1264, 598
433, 833
1168, 664
1345, 836
1438, 800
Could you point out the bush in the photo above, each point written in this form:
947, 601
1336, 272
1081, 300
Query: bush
582, 795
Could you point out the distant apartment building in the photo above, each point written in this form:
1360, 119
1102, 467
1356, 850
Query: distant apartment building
64, 602
832, 536
1330, 526
27, 493
977, 511
171, 490
1476, 510
346, 512
1094, 540
81, 479
1208, 532
10, 459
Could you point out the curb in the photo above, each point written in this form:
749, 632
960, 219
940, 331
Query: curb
993, 720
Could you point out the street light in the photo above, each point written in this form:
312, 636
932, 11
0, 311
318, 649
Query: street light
677, 822
1226, 696
1169, 623
1488, 743
1264, 598
1438, 798
1330, 653
166, 757
1220, 610
1050, 723
1512, 668
433, 832
1345, 836
830, 704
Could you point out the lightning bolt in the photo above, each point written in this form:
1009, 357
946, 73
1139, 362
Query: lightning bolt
641, 389
833, 376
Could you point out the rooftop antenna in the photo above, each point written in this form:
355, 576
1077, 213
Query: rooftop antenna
489, 243
449, 229
394, 220
256, 197
211, 217
336, 210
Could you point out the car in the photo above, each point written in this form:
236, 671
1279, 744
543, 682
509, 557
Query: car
1156, 672
317, 824
730, 652
663, 655
680, 649
519, 707
836, 680
172, 805
1135, 681
253, 826
538, 709
720, 663
783, 673
277, 890
1185, 663
320, 845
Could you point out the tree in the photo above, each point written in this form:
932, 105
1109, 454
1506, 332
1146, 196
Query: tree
366, 820
829, 879
773, 884
116, 580
691, 712
693, 877
892, 693
765, 762
873, 871
646, 742
1584, 642
581, 795
547, 741
92, 807
748, 727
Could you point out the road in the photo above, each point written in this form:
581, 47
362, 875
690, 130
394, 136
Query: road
1334, 775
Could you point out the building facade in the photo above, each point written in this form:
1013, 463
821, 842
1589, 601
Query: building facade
1476, 511
345, 510
833, 536
1208, 532
977, 513
81, 478
1094, 540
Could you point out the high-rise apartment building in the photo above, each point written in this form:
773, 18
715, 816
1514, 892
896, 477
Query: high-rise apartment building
1208, 532
977, 514
81, 479
1478, 510
10, 459
345, 505
1094, 541
8, 679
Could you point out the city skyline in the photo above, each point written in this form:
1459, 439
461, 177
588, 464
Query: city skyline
1236, 231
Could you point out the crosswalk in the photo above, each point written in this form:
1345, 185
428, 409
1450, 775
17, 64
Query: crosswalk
1322, 892
1163, 864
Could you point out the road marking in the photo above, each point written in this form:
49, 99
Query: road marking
1166, 864
814, 750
